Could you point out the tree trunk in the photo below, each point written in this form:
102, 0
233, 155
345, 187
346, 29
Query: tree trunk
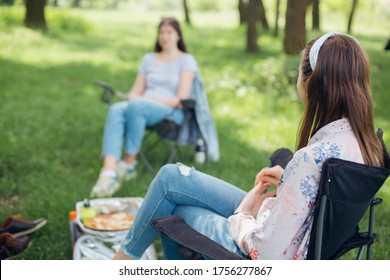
251, 34
113, 4
351, 14
76, 3
276, 31
243, 11
7, 2
35, 14
186, 12
387, 47
262, 15
295, 30
316, 15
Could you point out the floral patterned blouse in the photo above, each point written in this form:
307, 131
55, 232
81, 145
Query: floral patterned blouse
282, 227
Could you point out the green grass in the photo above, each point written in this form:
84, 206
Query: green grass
52, 119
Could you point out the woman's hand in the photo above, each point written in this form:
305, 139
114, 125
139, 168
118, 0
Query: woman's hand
267, 177
131, 97
252, 202
270, 175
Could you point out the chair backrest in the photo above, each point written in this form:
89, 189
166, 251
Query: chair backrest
345, 193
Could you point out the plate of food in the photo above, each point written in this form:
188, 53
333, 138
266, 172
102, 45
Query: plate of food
113, 218
108, 222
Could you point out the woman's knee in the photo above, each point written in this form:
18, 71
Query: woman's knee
117, 109
136, 106
173, 170
162, 178
167, 171
169, 175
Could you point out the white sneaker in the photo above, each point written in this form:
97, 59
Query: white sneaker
105, 186
125, 173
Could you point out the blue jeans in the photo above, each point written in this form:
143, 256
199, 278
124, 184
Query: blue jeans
126, 122
204, 202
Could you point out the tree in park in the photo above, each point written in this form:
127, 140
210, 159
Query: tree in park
186, 12
387, 47
7, 2
262, 15
277, 11
76, 3
316, 15
35, 14
252, 11
295, 29
243, 9
351, 14
251, 34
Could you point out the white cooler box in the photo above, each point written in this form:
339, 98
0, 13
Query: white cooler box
91, 244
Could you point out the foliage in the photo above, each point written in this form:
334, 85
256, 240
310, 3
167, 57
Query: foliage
205, 5
59, 21
10, 17
64, 22
52, 118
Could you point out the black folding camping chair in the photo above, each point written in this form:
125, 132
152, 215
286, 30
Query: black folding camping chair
347, 190
168, 132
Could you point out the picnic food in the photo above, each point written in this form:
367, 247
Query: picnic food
87, 211
115, 221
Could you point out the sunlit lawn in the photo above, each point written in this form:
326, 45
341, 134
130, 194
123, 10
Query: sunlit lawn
52, 118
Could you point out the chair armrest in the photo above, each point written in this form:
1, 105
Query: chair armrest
104, 85
178, 230
188, 103
376, 201
109, 92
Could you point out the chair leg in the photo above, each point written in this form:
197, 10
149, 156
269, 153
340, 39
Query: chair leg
370, 229
376, 201
146, 162
147, 149
369, 252
360, 253
319, 228
172, 155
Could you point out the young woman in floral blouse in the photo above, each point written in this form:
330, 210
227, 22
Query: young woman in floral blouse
334, 87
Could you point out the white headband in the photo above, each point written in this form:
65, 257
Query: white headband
313, 54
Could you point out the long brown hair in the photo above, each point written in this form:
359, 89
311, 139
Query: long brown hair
339, 87
175, 24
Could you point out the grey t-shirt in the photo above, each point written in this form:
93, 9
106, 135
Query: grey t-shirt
162, 79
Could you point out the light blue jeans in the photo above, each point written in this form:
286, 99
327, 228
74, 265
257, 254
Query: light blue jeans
126, 122
204, 202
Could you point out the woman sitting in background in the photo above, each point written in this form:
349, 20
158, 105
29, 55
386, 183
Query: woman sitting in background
164, 78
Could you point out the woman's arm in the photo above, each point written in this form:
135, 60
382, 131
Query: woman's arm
272, 232
252, 202
270, 175
183, 91
138, 87
267, 177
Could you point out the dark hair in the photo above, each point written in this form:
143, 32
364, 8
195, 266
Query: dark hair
339, 87
175, 24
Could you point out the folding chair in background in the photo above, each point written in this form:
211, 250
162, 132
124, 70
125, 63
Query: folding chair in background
173, 135
346, 192
170, 133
